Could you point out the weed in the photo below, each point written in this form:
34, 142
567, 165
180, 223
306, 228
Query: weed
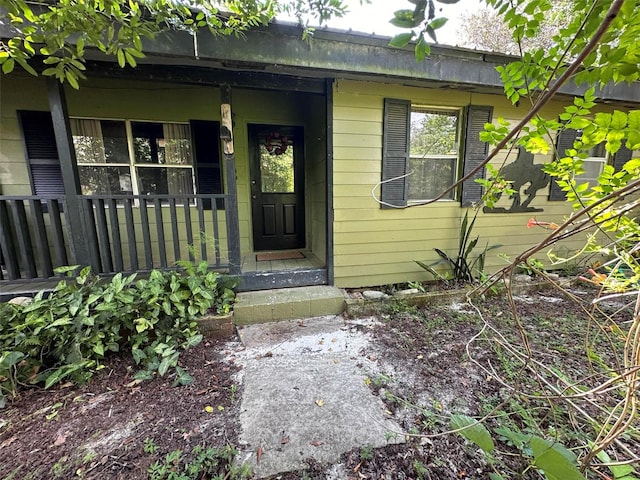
420, 470
234, 391
150, 445
397, 306
205, 463
59, 470
89, 456
381, 381
532, 267
417, 285
366, 453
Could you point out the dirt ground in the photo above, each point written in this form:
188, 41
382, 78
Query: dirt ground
115, 427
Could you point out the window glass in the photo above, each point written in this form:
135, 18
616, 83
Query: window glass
276, 161
161, 164
148, 142
87, 141
165, 181
105, 180
114, 136
433, 161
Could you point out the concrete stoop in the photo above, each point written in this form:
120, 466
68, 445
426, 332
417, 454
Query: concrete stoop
287, 304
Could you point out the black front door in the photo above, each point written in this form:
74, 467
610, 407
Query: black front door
277, 186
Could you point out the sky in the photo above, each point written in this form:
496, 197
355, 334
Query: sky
374, 17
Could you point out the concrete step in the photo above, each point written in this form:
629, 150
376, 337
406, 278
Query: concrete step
287, 304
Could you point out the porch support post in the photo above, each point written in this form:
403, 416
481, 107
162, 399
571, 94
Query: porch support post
329, 180
70, 178
231, 205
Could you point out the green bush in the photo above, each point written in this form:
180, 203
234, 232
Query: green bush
69, 333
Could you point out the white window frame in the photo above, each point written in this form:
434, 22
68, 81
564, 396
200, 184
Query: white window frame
421, 108
132, 164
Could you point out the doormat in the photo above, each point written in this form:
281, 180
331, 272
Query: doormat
262, 257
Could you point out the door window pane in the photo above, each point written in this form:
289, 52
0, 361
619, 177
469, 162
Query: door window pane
276, 162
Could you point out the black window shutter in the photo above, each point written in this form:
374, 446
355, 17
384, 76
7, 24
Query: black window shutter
42, 153
621, 157
564, 141
206, 147
395, 154
475, 151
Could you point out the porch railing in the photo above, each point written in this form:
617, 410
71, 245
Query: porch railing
123, 233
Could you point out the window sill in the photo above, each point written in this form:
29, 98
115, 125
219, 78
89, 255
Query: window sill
412, 203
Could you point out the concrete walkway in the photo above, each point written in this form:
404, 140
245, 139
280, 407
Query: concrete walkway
305, 395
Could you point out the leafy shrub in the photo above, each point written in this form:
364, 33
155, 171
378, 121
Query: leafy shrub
68, 334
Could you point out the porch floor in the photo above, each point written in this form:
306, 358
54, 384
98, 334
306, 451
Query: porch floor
250, 264
25, 288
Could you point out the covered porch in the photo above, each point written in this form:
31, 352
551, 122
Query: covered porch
139, 231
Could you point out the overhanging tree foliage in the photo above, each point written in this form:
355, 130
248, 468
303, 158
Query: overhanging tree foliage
600, 45
58, 32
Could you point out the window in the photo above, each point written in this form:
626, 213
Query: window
434, 152
422, 152
117, 157
592, 165
123, 157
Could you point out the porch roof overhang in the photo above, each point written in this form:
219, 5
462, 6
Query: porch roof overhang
278, 51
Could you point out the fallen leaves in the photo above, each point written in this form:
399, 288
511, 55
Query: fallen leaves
259, 454
60, 439
284, 440
210, 409
7, 442
316, 443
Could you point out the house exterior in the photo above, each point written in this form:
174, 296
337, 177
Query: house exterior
334, 140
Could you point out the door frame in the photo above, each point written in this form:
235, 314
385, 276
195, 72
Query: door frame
256, 194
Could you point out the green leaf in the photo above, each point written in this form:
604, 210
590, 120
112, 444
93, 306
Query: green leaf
164, 366
23, 63
9, 359
401, 40
555, 460
495, 476
138, 355
121, 60
422, 49
98, 348
193, 341
8, 65
182, 377
438, 22
404, 19
473, 431
619, 120
143, 375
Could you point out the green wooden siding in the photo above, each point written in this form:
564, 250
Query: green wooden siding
374, 246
